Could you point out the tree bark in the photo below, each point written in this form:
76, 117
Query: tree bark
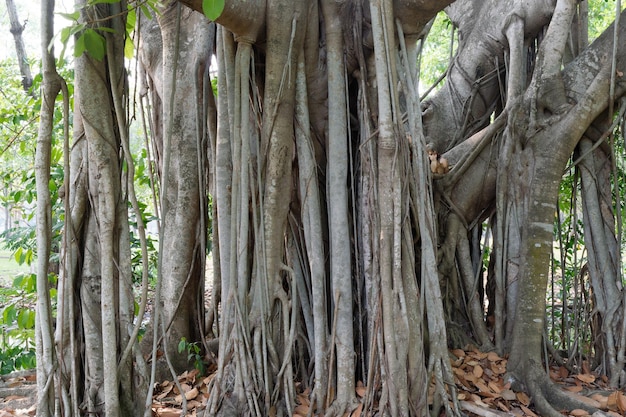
20, 49
52, 84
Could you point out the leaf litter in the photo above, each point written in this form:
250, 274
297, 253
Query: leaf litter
478, 376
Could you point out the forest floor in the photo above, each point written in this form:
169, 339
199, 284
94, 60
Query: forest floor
481, 391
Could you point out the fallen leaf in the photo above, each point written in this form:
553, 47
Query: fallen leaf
478, 371
574, 388
484, 389
494, 387
601, 399
502, 406
13, 397
621, 402
459, 353
302, 409
508, 395
191, 394
528, 411
523, 398
612, 401
578, 413
588, 378
168, 412
361, 391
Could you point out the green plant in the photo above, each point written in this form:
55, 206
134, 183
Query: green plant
193, 354
17, 322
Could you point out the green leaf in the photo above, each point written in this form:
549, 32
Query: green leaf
145, 10
91, 42
94, 44
79, 45
129, 48
70, 16
131, 20
212, 8
9, 314
181, 345
19, 258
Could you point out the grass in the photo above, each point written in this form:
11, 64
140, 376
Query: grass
9, 267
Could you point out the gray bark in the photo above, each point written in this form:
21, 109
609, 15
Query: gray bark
20, 49
46, 351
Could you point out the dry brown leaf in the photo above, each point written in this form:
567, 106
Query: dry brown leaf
191, 394
508, 395
470, 377
478, 371
165, 392
588, 378
208, 379
193, 404
302, 409
528, 411
493, 357
360, 391
499, 368
168, 412
601, 399
621, 402
494, 387
13, 397
475, 398
304, 399
461, 396
523, 398
502, 407
484, 389
563, 372
459, 353
578, 412
612, 401
574, 388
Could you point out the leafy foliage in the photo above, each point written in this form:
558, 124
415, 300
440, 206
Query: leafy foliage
17, 321
193, 354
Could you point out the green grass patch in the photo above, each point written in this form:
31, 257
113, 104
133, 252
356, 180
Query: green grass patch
9, 268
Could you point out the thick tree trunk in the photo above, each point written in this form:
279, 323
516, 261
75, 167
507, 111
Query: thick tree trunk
183, 192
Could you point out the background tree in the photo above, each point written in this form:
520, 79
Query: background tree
16, 29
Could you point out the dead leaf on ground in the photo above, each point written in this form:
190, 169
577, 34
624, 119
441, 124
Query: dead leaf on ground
588, 378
